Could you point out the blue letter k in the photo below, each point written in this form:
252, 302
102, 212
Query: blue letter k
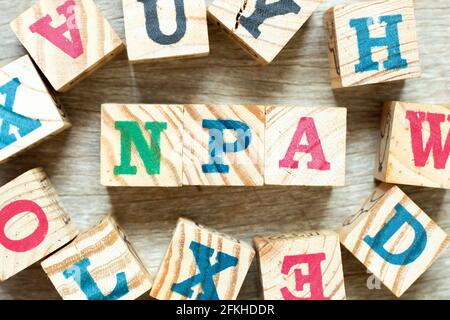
205, 278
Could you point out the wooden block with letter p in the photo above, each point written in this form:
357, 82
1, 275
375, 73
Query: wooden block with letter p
303, 266
29, 113
393, 238
305, 146
223, 145
141, 145
202, 264
414, 145
33, 222
68, 39
159, 30
372, 42
262, 27
99, 264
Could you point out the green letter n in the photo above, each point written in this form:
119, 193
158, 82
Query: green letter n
149, 153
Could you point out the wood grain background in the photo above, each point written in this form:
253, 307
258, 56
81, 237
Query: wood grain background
299, 77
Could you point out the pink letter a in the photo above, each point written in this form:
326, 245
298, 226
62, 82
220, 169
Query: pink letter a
434, 143
73, 47
314, 277
306, 126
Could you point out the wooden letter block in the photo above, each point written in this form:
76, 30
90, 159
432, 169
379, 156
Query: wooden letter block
33, 222
202, 264
161, 29
372, 42
393, 238
262, 27
223, 145
305, 146
141, 145
304, 266
68, 39
414, 145
99, 264
29, 113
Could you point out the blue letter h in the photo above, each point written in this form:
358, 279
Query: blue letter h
366, 43
205, 277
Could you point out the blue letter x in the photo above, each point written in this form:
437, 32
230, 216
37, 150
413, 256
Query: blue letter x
205, 278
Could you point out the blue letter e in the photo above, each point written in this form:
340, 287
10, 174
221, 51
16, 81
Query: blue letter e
416, 248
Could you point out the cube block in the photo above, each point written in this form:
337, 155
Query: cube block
393, 238
30, 113
223, 145
262, 27
161, 30
33, 222
305, 146
141, 145
372, 42
414, 145
99, 264
201, 264
67, 39
302, 266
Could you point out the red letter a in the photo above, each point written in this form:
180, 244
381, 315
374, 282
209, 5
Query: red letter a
434, 143
73, 47
306, 126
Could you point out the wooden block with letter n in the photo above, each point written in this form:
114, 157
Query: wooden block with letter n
99, 264
414, 145
305, 146
68, 39
223, 145
160, 30
303, 266
33, 222
202, 264
29, 113
141, 145
372, 42
393, 238
262, 27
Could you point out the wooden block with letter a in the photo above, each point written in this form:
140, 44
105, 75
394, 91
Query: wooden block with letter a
33, 222
68, 39
141, 145
223, 145
160, 30
372, 42
303, 266
29, 113
99, 264
262, 28
393, 238
305, 146
414, 145
202, 264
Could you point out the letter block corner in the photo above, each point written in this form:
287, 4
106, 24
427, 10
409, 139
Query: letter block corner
372, 42
301, 266
100, 264
261, 27
33, 222
30, 112
414, 145
146, 24
202, 264
67, 39
393, 238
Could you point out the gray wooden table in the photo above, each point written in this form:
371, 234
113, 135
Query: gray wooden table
298, 77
